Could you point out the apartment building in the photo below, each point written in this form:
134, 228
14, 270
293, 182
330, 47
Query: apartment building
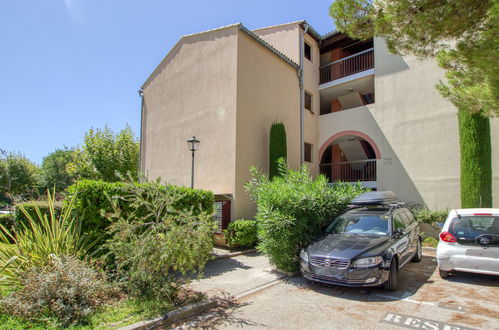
365, 115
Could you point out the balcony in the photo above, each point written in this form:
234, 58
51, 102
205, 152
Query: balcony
347, 66
351, 171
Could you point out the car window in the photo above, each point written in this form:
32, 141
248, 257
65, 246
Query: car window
398, 221
409, 218
468, 229
360, 222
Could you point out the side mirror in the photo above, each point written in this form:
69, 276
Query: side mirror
398, 232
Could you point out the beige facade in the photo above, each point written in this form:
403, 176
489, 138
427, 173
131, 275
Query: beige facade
374, 117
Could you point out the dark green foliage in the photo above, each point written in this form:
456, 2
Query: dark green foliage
293, 208
241, 234
277, 147
476, 162
155, 251
54, 172
430, 217
31, 206
67, 289
95, 210
6, 220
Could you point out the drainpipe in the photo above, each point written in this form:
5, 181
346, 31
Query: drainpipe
141, 94
302, 94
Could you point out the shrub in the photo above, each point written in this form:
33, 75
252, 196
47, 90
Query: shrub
94, 202
65, 288
153, 251
30, 207
430, 241
241, 234
34, 243
292, 210
277, 147
430, 217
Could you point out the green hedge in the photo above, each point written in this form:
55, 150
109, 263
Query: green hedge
29, 206
476, 161
430, 217
241, 234
93, 208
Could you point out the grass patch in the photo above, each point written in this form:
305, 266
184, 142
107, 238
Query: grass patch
119, 314
430, 242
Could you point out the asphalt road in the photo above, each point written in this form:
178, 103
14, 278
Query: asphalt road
423, 301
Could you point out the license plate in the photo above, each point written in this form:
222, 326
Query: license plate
326, 272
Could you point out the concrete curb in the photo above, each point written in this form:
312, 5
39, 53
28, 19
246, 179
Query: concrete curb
233, 254
427, 248
173, 316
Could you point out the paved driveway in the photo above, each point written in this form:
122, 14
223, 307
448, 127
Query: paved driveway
424, 301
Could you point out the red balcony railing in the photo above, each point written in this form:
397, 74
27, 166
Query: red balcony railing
347, 66
360, 170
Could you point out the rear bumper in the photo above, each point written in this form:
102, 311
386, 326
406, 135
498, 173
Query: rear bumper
455, 258
351, 277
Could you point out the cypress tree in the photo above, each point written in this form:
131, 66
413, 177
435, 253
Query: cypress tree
476, 162
277, 147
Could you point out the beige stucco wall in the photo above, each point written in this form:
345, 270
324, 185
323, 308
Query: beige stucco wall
193, 93
267, 91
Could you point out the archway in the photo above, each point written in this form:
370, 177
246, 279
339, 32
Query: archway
350, 156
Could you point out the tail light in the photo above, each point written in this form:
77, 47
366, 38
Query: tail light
448, 237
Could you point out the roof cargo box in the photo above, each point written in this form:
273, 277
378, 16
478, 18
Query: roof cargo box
375, 198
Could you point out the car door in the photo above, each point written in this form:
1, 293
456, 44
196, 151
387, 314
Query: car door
412, 228
402, 246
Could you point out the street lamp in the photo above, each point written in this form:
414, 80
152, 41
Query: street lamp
193, 144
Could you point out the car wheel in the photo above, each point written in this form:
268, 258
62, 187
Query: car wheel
419, 253
443, 273
392, 283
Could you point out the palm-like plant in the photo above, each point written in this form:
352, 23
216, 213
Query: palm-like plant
36, 242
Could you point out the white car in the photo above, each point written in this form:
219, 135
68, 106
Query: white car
469, 242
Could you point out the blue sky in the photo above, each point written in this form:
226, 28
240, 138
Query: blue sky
69, 65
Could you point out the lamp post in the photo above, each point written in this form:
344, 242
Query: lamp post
193, 144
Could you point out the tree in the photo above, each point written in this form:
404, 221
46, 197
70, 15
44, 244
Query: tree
277, 147
54, 172
462, 35
104, 155
18, 176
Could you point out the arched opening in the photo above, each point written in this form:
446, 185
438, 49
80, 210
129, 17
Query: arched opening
350, 157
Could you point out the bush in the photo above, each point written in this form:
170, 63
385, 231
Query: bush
430, 217
94, 202
292, 210
430, 242
66, 288
34, 243
31, 206
154, 251
241, 234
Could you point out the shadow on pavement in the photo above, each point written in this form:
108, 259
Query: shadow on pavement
411, 278
220, 266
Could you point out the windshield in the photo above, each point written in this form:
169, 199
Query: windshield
469, 229
366, 222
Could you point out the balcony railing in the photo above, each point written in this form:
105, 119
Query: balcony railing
359, 170
347, 66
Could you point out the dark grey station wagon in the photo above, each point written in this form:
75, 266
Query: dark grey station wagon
366, 245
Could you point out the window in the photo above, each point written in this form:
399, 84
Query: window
398, 222
308, 102
308, 152
308, 51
